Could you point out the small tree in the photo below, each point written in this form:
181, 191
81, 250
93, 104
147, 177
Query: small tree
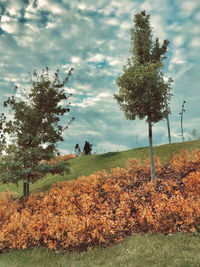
143, 92
32, 132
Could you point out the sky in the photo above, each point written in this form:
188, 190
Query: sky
93, 37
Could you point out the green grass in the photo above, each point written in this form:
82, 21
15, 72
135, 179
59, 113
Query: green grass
119, 159
180, 250
86, 165
139, 250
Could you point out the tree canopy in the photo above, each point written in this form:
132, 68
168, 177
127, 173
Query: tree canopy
31, 131
143, 91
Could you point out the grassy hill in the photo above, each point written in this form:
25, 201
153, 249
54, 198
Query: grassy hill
138, 250
88, 164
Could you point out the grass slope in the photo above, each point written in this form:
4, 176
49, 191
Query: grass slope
138, 250
88, 164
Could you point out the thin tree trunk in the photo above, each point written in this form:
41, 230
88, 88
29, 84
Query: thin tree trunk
151, 153
24, 188
168, 128
27, 189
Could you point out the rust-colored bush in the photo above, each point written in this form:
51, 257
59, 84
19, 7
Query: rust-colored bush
180, 163
103, 208
192, 184
58, 158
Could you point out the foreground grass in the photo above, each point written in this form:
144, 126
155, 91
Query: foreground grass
140, 250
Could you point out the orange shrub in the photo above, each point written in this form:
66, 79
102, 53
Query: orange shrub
66, 157
192, 184
157, 164
181, 162
196, 159
56, 159
104, 207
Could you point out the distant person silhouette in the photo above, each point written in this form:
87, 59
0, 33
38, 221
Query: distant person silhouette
90, 148
87, 148
77, 150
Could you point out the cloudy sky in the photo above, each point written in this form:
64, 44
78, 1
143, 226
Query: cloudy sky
94, 38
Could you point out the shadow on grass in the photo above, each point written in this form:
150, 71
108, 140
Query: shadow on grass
140, 148
109, 154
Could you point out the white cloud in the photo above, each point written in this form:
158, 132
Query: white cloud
113, 21
76, 60
93, 101
66, 66
178, 40
106, 146
196, 29
111, 72
113, 61
26, 41
54, 8
13, 11
155, 5
195, 43
124, 30
73, 91
197, 16
82, 6
125, 25
64, 152
158, 27
188, 7
175, 27
53, 25
30, 8
147, 5
89, 21
33, 27
118, 8
5, 19
112, 45
111, 7
7, 27
91, 133
57, 10
96, 57
178, 57
10, 26
84, 87
30, 15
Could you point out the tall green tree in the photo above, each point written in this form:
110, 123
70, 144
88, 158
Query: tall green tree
143, 91
31, 131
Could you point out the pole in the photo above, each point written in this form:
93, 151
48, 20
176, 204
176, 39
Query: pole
168, 128
181, 113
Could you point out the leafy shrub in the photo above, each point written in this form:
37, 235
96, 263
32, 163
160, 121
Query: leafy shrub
58, 159
103, 208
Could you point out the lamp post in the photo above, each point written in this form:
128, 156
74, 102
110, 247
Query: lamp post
181, 113
168, 128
